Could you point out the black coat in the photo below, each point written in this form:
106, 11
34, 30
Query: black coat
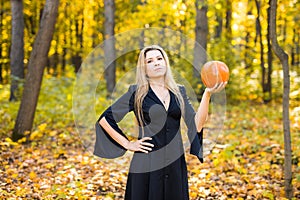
162, 173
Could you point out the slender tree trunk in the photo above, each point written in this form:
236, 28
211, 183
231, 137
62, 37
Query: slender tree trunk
183, 44
17, 47
109, 45
201, 32
36, 65
142, 39
55, 58
297, 60
142, 35
77, 58
284, 31
285, 105
247, 49
262, 60
247, 54
63, 60
293, 48
65, 43
1, 25
270, 61
1, 77
219, 27
228, 19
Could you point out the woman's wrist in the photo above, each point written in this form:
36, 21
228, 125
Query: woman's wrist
207, 93
126, 144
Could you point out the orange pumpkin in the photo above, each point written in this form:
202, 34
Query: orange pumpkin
214, 72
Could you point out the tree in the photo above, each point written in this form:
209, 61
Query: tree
1, 25
109, 45
36, 65
228, 19
283, 57
266, 73
17, 47
201, 32
270, 60
77, 57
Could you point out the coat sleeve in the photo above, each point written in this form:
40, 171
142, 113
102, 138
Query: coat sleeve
195, 138
105, 146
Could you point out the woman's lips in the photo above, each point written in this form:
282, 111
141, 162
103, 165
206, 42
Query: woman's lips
158, 68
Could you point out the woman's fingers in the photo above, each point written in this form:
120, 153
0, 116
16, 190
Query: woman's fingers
147, 144
145, 138
221, 86
217, 88
146, 148
141, 145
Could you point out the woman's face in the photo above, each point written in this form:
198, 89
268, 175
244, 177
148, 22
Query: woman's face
155, 64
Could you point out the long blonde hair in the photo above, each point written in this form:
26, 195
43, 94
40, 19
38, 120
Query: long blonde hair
142, 82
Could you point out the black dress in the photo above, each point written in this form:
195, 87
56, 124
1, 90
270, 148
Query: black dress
162, 173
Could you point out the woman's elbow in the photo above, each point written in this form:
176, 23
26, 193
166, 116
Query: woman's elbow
102, 121
199, 128
198, 124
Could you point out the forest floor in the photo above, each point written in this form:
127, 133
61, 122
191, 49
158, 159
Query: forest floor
246, 163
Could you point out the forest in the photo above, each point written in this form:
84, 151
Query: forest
62, 63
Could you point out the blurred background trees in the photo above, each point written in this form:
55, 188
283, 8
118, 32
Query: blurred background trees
235, 32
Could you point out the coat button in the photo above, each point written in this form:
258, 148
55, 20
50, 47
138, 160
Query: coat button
166, 176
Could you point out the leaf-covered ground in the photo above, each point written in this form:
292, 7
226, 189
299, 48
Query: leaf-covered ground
247, 162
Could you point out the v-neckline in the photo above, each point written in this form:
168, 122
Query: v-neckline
166, 109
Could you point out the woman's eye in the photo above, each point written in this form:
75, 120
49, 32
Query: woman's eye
149, 61
159, 59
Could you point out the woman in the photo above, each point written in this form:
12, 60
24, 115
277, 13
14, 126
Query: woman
158, 168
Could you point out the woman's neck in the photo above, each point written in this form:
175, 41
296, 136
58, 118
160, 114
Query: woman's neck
159, 82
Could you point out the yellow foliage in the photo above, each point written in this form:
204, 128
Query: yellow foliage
52, 133
35, 135
42, 127
32, 175
22, 140
10, 142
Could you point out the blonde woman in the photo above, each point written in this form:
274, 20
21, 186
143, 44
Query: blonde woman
158, 168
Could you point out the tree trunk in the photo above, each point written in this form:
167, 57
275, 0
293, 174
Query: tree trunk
142, 39
182, 46
285, 105
270, 61
228, 20
247, 60
248, 49
219, 27
297, 60
298, 48
262, 60
63, 60
77, 58
201, 32
109, 45
17, 47
293, 48
1, 25
36, 65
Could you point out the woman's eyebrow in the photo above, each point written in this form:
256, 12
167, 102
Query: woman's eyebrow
154, 56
